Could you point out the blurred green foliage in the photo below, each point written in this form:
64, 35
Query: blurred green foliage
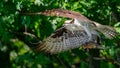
14, 50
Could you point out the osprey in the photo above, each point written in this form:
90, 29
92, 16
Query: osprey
75, 32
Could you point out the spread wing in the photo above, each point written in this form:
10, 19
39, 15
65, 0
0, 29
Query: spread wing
63, 40
62, 13
108, 31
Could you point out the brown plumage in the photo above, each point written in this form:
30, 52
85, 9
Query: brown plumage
63, 40
79, 31
86, 24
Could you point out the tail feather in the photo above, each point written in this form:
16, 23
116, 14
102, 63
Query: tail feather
108, 31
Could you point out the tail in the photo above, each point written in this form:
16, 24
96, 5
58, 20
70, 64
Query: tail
108, 31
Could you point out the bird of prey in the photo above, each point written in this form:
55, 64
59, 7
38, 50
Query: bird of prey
75, 32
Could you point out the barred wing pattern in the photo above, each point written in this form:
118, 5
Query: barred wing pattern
108, 31
72, 36
63, 40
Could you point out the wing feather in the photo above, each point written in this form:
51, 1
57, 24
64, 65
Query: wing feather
63, 40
